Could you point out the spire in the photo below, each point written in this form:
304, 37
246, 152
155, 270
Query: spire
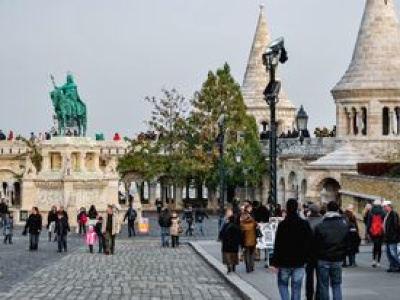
256, 77
376, 59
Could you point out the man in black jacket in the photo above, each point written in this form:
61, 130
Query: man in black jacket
330, 240
292, 251
391, 236
61, 230
164, 220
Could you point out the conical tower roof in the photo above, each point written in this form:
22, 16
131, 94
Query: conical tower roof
376, 59
256, 77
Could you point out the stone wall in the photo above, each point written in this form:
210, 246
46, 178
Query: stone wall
358, 189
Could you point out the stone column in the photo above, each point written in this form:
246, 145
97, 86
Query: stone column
349, 124
46, 161
152, 193
82, 161
97, 161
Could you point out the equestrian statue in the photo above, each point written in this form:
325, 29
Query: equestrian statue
70, 111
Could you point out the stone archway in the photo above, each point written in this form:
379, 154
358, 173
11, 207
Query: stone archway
329, 190
8, 185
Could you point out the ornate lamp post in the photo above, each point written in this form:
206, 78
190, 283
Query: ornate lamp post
274, 54
301, 122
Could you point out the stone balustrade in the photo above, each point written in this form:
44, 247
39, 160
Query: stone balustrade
311, 147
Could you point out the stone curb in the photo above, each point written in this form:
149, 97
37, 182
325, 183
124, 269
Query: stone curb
245, 290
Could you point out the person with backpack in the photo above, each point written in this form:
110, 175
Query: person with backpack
131, 216
82, 219
391, 236
375, 231
199, 216
188, 216
164, 220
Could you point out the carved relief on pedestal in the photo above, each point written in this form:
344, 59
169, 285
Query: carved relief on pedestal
50, 197
87, 197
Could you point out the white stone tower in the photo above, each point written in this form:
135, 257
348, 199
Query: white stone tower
256, 79
368, 95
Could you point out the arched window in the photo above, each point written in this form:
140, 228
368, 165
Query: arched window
354, 121
385, 121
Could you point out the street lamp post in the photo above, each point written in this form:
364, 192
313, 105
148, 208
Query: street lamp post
220, 142
274, 54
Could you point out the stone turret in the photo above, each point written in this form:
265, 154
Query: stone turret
368, 95
256, 79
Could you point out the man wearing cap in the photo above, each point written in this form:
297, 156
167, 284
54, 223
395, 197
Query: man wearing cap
330, 240
391, 236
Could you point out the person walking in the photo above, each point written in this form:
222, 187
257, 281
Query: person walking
61, 230
91, 238
100, 237
34, 226
110, 228
354, 240
164, 220
330, 240
231, 237
8, 227
51, 222
188, 216
159, 206
199, 216
82, 220
92, 215
175, 229
391, 236
3, 210
131, 215
365, 215
375, 231
314, 218
292, 250
249, 238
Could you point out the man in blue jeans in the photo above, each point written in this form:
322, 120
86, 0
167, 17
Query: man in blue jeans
293, 245
330, 241
391, 236
164, 220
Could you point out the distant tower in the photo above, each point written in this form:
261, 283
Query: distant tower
368, 95
256, 79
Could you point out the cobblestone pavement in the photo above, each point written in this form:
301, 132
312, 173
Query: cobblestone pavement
138, 270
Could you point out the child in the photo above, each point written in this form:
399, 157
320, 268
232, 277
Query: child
100, 237
61, 230
175, 230
8, 225
91, 238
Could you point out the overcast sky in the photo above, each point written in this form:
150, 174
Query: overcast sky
123, 50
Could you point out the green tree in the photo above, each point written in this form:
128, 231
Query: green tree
221, 94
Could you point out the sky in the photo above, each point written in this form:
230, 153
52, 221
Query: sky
121, 51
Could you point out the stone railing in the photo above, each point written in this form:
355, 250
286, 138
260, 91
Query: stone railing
311, 147
12, 148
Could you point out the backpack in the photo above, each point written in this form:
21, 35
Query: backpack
376, 225
132, 215
83, 218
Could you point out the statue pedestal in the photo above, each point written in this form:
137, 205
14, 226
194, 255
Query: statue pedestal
76, 172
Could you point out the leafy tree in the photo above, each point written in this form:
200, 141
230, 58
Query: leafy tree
221, 94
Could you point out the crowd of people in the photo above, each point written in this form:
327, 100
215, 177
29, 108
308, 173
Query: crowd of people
46, 136
95, 228
312, 242
171, 225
